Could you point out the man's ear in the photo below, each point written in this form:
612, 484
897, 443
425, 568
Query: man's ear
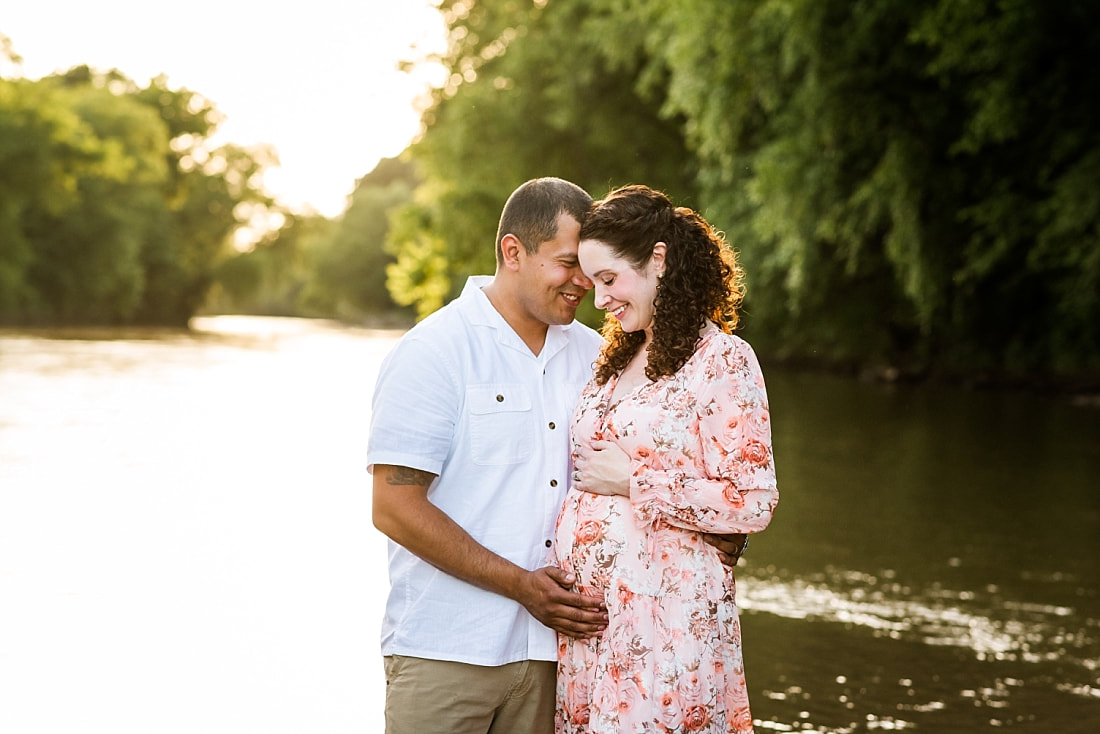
510, 248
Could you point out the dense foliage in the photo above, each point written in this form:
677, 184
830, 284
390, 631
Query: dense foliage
318, 267
910, 185
529, 96
113, 206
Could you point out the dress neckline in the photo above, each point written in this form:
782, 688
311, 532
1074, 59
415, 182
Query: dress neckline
608, 403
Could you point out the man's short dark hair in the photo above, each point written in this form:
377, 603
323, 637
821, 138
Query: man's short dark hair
531, 212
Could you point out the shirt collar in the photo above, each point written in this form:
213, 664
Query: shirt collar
481, 312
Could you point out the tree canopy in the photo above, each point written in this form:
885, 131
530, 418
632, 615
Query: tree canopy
909, 185
114, 207
318, 267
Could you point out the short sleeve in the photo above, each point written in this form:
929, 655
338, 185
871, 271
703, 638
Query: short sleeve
414, 410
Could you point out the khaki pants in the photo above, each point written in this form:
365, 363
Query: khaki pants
442, 697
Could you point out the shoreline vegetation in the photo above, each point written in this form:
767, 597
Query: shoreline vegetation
910, 187
1080, 391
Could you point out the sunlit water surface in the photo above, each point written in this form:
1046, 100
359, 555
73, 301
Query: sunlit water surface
185, 544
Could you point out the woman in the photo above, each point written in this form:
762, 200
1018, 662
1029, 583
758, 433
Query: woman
671, 440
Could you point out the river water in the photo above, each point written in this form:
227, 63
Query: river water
186, 546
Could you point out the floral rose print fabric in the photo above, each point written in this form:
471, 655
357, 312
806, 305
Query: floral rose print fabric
700, 449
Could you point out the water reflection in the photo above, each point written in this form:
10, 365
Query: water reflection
185, 538
990, 627
935, 557
185, 544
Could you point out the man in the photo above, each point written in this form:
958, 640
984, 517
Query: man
469, 454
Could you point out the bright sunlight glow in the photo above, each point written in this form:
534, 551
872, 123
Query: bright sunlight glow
317, 81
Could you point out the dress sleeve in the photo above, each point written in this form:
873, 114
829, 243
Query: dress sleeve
713, 471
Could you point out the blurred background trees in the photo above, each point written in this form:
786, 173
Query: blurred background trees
912, 187
113, 207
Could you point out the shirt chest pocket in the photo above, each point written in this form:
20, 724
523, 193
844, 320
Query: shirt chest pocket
501, 423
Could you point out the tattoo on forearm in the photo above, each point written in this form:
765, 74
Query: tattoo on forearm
403, 475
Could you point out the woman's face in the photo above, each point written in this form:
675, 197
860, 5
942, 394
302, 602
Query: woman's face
620, 289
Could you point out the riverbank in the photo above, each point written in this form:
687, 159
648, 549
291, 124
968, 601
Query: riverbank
1081, 390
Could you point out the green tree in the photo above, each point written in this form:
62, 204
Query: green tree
530, 94
901, 177
208, 196
114, 207
74, 167
348, 273
42, 149
87, 265
270, 277
909, 184
1027, 281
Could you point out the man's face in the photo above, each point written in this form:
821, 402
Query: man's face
553, 282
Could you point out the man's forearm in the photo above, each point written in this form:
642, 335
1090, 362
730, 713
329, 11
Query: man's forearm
403, 513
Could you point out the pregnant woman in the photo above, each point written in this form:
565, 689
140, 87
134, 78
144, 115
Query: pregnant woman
671, 439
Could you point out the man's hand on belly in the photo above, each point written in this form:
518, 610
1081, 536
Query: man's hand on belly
546, 594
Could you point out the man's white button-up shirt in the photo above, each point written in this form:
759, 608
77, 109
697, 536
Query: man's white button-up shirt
461, 396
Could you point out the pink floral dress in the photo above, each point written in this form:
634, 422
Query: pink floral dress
700, 449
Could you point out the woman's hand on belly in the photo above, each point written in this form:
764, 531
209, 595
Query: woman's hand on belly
602, 468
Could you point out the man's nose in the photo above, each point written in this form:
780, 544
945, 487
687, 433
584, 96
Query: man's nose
582, 280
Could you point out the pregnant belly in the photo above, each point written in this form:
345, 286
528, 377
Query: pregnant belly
595, 534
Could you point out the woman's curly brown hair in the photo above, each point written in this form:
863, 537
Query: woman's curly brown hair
702, 279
